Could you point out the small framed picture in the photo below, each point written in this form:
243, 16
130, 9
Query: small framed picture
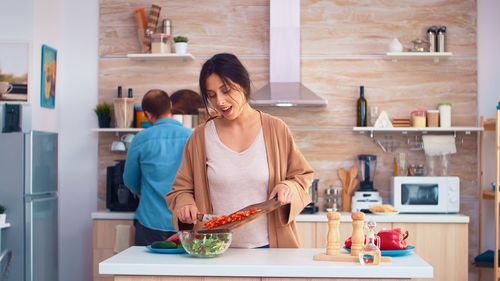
14, 68
48, 85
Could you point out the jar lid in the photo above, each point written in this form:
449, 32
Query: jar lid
418, 111
444, 103
432, 111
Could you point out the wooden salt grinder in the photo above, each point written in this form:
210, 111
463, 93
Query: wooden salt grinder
333, 238
357, 237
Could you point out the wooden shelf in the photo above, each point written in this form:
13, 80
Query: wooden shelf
6, 225
489, 124
117, 130
488, 194
405, 130
435, 56
184, 57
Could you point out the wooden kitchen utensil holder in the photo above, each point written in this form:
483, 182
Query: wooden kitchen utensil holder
333, 240
349, 183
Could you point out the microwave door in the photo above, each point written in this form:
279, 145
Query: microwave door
422, 197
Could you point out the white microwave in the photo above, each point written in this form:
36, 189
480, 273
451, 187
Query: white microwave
426, 194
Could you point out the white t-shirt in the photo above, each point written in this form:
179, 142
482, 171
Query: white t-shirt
236, 180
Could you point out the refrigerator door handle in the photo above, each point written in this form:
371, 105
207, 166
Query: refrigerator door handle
40, 197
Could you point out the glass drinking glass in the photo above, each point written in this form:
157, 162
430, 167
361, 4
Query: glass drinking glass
430, 165
402, 168
445, 159
373, 115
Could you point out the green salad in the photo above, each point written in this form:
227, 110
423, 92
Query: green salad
205, 245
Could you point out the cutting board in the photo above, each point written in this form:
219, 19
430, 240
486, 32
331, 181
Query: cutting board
262, 209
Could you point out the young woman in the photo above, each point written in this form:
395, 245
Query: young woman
239, 158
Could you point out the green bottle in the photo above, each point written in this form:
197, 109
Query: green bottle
362, 106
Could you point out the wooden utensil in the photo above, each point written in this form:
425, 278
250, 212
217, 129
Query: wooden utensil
353, 173
343, 177
262, 209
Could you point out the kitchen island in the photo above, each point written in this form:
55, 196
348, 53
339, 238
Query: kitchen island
440, 239
138, 263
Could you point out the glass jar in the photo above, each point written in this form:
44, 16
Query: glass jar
420, 170
160, 43
418, 118
445, 114
333, 199
433, 118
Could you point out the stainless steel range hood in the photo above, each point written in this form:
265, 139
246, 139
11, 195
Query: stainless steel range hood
284, 88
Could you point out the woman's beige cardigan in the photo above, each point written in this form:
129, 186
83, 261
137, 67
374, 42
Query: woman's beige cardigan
286, 165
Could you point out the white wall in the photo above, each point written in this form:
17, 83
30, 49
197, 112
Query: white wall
488, 44
78, 145
47, 29
19, 12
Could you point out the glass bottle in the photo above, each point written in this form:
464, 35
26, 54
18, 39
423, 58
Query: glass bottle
370, 253
361, 110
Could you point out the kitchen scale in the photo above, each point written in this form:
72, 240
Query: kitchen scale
366, 196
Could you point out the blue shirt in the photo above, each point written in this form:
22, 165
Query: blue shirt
153, 159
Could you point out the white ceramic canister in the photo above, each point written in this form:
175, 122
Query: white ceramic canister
445, 114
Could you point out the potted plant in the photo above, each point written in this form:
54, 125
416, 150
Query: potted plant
180, 44
103, 111
3, 216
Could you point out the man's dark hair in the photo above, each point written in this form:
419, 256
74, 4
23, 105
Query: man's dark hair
156, 102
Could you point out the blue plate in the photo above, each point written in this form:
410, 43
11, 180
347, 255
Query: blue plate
393, 253
166, 251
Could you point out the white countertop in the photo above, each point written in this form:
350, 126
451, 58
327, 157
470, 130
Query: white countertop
259, 263
321, 217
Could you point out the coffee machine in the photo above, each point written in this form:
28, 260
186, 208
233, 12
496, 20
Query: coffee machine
312, 207
366, 196
118, 196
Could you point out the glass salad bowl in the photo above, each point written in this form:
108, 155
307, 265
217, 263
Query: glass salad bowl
205, 245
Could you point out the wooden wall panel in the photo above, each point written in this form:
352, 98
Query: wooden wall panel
365, 27
398, 88
212, 26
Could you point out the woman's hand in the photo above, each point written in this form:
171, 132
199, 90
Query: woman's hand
188, 214
283, 193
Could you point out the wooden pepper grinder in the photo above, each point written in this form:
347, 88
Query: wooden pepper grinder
333, 237
357, 237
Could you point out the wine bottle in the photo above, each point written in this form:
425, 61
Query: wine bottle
362, 106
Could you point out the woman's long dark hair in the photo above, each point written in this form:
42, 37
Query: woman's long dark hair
231, 71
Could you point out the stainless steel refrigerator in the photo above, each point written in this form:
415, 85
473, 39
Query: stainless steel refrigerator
28, 189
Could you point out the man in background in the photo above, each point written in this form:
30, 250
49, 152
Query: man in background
153, 159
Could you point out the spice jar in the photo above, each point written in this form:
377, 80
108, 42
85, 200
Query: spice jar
445, 114
412, 170
160, 43
139, 117
420, 170
418, 118
432, 118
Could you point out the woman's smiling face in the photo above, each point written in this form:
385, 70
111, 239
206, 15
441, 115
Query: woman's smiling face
227, 99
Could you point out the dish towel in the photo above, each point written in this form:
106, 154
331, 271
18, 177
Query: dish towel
122, 237
439, 145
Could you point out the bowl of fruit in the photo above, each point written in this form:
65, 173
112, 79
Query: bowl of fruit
170, 246
205, 245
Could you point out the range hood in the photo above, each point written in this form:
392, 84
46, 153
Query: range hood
284, 88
